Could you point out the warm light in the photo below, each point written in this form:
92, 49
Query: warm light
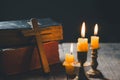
95, 39
71, 48
83, 30
96, 29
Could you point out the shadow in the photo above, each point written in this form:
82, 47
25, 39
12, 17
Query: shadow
82, 75
98, 75
3, 75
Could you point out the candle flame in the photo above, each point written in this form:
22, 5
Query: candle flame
71, 48
83, 30
96, 29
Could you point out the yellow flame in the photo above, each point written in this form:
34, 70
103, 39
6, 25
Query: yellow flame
96, 29
83, 30
71, 48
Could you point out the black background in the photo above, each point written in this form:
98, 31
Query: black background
71, 14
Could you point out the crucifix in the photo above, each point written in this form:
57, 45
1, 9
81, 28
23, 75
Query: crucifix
36, 32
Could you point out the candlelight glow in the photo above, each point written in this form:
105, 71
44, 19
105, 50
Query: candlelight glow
96, 29
83, 30
71, 48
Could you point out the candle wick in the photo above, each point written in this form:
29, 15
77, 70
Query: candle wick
95, 34
71, 53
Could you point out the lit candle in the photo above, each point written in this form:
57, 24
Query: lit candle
82, 45
69, 59
95, 39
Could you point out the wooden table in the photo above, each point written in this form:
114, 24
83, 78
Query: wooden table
108, 59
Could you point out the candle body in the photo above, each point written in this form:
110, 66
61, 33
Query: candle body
94, 42
69, 59
69, 69
82, 45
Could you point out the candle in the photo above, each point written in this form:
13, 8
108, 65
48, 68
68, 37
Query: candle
82, 45
95, 39
69, 59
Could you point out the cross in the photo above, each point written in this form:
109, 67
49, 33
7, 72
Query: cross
36, 32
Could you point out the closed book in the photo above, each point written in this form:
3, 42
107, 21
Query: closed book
18, 60
15, 33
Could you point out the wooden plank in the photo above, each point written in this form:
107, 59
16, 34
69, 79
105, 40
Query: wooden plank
108, 59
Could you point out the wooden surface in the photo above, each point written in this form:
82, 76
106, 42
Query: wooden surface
108, 59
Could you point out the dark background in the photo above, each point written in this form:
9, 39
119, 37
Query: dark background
71, 14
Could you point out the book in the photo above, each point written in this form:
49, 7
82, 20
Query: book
23, 59
12, 32
20, 37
